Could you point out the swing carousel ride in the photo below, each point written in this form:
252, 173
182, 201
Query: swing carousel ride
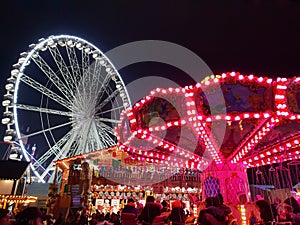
257, 125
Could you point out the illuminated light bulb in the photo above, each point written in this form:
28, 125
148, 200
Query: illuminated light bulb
227, 118
216, 80
152, 92
183, 122
237, 118
250, 77
269, 81
260, 79
218, 117
157, 89
208, 119
232, 74
241, 77
164, 91
246, 115
256, 115
133, 121
224, 75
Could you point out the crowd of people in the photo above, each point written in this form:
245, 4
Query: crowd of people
286, 211
214, 213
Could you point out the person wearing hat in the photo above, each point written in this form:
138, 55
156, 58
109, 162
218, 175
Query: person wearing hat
4, 219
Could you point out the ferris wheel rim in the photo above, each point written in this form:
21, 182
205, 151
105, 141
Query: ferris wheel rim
26, 62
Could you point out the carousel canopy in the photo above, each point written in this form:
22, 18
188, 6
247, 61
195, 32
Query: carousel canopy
12, 169
228, 117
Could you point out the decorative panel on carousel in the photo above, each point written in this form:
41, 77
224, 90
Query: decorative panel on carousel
293, 96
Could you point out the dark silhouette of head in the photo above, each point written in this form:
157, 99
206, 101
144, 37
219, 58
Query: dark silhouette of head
150, 198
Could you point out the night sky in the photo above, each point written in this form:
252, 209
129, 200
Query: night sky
259, 37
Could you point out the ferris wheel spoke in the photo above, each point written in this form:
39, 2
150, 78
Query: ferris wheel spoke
52, 76
43, 90
104, 85
73, 62
120, 108
85, 63
86, 71
69, 80
97, 142
43, 110
108, 139
85, 135
47, 130
54, 150
107, 120
107, 128
107, 100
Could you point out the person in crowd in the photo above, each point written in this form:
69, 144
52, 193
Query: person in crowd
212, 214
30, 216
115, 219
130, 207
107, 216
50, 220
274, 205
165, 206
177, 215
139, 207
227, 211
4, 219
93, 220
293, 202
265, 210
102, 221
150, 211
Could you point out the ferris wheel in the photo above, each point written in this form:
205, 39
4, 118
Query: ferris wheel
63, 97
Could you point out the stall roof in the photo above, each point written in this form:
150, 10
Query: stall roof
12, 169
